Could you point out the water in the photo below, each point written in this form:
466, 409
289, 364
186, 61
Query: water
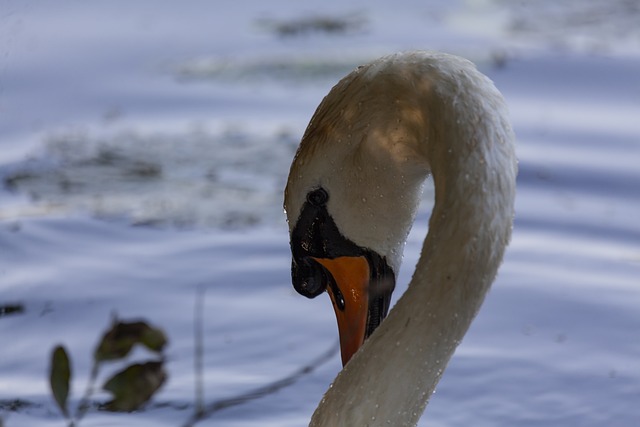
144, 150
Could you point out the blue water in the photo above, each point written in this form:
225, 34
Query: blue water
144, 150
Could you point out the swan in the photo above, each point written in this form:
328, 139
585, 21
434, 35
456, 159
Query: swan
351, 198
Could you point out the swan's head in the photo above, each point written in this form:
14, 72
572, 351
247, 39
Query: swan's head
359, 280
351, 197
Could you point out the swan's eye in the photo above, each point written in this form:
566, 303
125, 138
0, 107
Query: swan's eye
318, 197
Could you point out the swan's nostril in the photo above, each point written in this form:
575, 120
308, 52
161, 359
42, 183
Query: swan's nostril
308, 277
318, 197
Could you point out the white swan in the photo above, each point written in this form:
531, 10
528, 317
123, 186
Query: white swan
351, 198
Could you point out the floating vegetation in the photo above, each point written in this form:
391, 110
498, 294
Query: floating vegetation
318, 24
592, 24
188, 179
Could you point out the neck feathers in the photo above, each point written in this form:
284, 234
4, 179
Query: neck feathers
450, 121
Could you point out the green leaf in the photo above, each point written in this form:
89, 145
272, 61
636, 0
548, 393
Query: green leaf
134, 386
153, 338
60, 376
120, 339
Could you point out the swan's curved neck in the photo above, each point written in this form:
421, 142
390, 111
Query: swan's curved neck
455, 122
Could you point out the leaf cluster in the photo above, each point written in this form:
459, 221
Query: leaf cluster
132, 387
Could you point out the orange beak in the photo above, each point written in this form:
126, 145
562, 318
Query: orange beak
350, 298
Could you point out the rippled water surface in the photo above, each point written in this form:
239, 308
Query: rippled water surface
144, 148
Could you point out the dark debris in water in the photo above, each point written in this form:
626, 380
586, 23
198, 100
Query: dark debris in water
296, 27
9, 309
13, 181
142, 169
15, 405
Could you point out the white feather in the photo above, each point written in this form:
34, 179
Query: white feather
374, 139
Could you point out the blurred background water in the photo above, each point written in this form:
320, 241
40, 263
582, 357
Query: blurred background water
143, 152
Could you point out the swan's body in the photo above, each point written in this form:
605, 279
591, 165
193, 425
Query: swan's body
374, 139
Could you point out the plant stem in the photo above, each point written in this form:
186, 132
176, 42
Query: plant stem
199, 350
84, 404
